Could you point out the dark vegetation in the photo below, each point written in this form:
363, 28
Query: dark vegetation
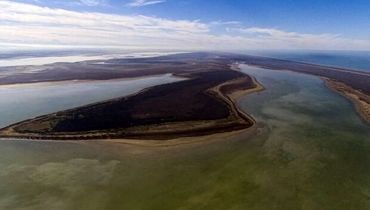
189, 100
182, 101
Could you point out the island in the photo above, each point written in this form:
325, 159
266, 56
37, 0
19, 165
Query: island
203, 103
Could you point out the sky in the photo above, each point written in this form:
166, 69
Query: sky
186, 24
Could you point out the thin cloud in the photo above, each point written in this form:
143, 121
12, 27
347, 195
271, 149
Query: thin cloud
93, 2
29, 25
225, 23
72, 3
142, 3
276, 33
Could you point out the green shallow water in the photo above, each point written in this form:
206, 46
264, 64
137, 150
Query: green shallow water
312, 153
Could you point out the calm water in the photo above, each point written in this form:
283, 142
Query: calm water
312, 153
20, 102
344, 59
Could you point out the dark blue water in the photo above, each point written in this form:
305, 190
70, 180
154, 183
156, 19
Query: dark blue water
345, 59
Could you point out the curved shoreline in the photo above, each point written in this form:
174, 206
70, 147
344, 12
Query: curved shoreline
360, 100
213, 87
237, 120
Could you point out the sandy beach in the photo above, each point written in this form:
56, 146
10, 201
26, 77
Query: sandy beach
360, 100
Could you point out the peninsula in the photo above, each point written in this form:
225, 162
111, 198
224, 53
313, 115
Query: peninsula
201, 104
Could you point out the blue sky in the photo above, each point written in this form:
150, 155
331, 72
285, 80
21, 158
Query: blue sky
188, 24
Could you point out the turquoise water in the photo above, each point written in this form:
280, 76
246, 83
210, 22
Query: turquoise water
312, 152
24, 101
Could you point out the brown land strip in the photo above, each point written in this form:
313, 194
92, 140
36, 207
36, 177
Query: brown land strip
356, 79
354, 85
360, 100
112, 69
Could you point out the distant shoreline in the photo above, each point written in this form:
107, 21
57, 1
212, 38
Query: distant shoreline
66, 82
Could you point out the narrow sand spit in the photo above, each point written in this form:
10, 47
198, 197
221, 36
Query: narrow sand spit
358, 98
